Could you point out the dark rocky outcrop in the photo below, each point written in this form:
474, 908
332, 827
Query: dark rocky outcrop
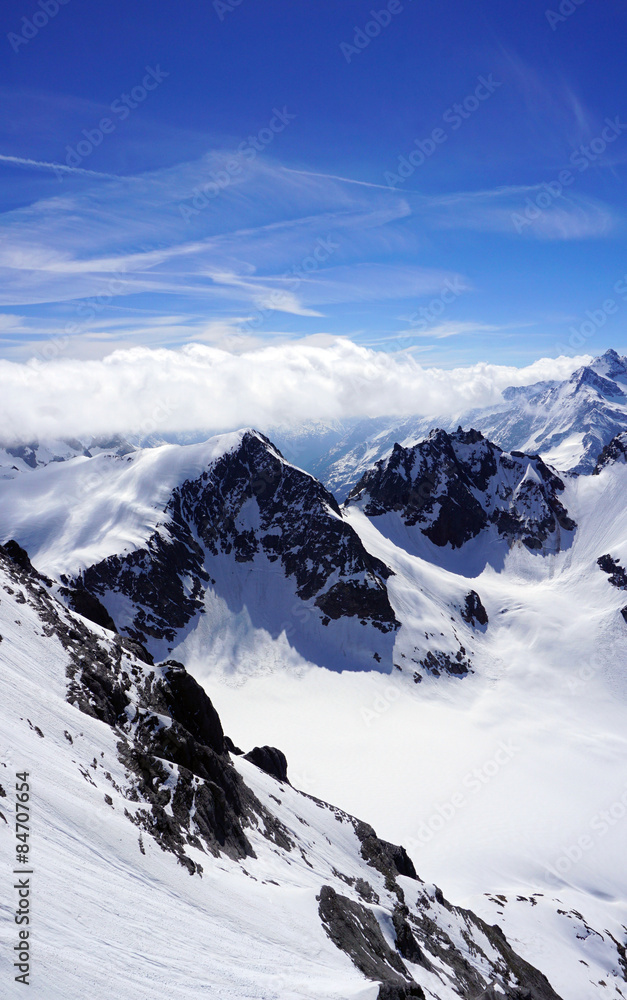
170, 736
389, 859
406, 943
453, 486
354, 929
17, 554
270, 760
617, 574
298, 523
473, 611
396, 991
85, 604
615, 451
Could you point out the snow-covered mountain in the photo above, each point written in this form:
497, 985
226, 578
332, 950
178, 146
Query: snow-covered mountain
20, 457
567, 422
208, 548
487, 733
134, 788
225, 551
453, 487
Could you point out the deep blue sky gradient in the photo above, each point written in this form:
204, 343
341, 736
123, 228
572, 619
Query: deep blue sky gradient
232, 272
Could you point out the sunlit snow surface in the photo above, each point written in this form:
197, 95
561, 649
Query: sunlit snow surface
490, 781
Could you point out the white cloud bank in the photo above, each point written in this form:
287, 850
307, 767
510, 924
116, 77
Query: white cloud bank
145, 391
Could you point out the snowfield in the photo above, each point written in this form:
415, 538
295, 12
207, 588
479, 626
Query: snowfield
506, 782
511, 781
113, 914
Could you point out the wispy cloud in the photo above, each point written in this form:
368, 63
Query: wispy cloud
250, 243
21, 161
566, 216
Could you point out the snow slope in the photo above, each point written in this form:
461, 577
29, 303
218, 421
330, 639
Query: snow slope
514, 778
508, 785
222, 547
303, 903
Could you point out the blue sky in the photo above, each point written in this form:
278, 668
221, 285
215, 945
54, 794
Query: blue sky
443, 179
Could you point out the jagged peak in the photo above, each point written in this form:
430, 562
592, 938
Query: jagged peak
530, 475
615, 451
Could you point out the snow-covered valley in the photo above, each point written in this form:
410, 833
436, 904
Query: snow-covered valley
442, 656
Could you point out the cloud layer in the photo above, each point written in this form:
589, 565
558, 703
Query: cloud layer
141, 392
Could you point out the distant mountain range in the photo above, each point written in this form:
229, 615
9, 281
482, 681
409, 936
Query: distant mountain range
568, 423
448, 630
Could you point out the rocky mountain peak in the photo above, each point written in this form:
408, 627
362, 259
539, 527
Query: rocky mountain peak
453, 486
615, 451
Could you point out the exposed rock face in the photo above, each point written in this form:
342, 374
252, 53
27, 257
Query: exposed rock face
179, 772
453, 486
248, 503
389, 859
17, 554
270, 760
615, 451
473, 611
85, 604
617, 574
355, 930
181, 788
423, 930
574, 417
